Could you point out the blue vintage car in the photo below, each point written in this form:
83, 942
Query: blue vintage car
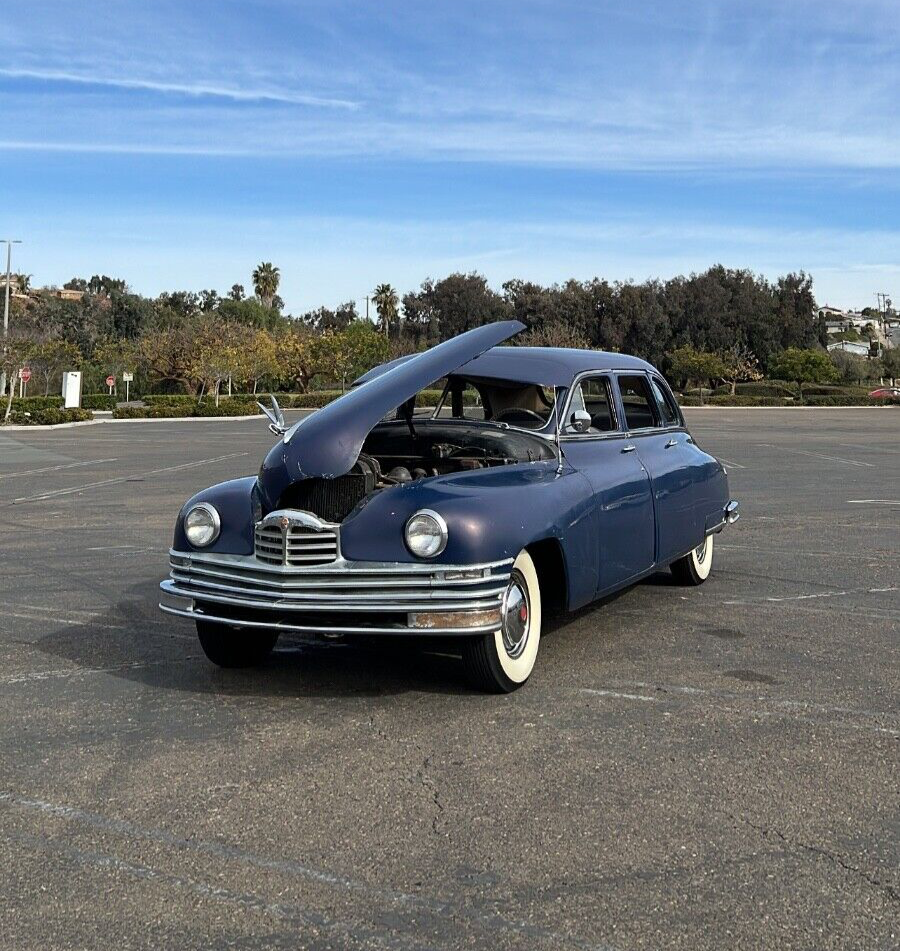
543, 480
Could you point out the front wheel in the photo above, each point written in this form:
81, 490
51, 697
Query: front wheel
502, 661
695, 566
233, 647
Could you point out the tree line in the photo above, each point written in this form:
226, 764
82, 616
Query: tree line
722, 324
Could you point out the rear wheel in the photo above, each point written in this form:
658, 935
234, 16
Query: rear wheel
695, 566
502, 661
234, 647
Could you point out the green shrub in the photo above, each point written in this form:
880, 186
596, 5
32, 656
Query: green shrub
824, 390
151, 412
30, 403
50, 416
98, 401
766, 388
745, 400
840, 400
227, 407
312, 400
178, 410
170, 399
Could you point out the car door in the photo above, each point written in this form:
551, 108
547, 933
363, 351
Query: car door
663, 445
623, 501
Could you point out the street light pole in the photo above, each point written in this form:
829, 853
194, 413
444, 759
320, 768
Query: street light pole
9, 243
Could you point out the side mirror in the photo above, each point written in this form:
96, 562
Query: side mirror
275, 416
580, 421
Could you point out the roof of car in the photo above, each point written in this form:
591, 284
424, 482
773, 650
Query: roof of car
549, 366
545, 366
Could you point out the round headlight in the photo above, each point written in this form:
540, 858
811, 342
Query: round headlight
202, 525
426, 534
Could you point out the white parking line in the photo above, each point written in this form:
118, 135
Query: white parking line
818, 455
762, 705
95, 485
620, 696
70, 465
87, 671
873, 502
733, 465
819, 594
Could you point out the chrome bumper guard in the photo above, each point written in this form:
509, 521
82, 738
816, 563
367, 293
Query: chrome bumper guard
342, 597
730, 515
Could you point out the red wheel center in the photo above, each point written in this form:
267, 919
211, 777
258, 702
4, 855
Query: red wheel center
523, 613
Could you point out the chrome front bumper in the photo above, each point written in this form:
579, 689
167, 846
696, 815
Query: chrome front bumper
342, 597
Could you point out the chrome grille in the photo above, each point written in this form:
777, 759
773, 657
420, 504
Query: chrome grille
295, 545
341, 586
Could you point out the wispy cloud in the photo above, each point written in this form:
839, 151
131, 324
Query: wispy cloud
235, 94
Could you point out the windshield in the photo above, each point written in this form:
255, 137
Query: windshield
524, 405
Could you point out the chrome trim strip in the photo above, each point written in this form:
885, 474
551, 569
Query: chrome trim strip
339, 568
374, 601
307, 581
308, 629
171, 586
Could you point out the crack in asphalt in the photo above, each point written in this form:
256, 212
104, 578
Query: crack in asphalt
429, 785
409, 908
892, 893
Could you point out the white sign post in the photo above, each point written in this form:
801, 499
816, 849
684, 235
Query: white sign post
127, 378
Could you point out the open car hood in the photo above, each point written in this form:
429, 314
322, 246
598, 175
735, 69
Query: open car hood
328, 442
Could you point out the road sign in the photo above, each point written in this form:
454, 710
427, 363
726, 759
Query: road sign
127, 377
110, 380
25, 373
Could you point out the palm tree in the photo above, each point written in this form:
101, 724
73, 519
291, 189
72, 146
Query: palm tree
266, 278
387, 304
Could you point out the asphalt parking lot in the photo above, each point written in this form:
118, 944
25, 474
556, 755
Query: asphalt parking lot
688, 768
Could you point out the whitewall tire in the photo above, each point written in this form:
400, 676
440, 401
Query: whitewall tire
695, 566
502, 661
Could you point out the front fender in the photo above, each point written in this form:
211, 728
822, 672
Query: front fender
491, 515
237, 504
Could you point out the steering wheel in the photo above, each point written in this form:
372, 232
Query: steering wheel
517, 414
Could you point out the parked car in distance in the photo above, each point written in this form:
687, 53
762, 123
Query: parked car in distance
543, 480
886, 393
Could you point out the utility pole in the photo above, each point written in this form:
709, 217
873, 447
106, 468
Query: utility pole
9, 243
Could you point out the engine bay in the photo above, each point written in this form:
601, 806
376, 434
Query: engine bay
437, 447
395, 453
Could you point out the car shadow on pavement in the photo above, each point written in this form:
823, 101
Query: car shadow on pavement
133, 640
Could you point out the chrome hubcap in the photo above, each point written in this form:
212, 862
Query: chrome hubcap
516, 618
700, 551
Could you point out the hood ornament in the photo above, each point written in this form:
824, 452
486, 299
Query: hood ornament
275, 416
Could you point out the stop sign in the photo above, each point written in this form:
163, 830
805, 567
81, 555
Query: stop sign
25, 373
110, 380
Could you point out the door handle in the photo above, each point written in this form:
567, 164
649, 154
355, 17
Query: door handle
671, 442
629, 448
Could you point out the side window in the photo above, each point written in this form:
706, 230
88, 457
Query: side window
667, 407
592, 396
639, 402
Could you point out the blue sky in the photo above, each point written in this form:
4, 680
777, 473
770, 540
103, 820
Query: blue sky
177, 144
